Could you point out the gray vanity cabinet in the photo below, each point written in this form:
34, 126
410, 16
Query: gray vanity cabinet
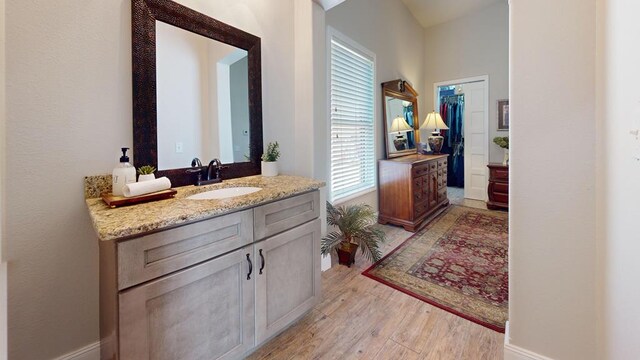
204, 312
287, 284
185, 293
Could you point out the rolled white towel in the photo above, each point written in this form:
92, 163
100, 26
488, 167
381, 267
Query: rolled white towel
146, 187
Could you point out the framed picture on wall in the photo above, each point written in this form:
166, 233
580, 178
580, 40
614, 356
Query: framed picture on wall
503, 115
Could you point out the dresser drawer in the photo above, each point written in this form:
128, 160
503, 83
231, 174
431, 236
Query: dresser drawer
499, 174
158, 254
418, 196
420, 209
501, 187
420, 170
285, 214
417, 183
443, 181
500, 198
442, 164
442, 195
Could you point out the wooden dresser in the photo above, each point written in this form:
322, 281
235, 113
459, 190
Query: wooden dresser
412, 188
498, 187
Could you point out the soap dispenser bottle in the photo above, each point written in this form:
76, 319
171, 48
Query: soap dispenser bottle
124, 173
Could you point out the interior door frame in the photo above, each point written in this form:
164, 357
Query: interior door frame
436, 101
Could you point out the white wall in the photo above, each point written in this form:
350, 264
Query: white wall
182, 84
386, 28
474, 45
239, 88
619, 166
68, 113
552, 275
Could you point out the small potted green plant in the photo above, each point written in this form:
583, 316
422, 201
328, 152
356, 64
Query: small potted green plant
503, 142
270, 159
146, 173
355, 228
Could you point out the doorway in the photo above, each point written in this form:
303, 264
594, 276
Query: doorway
468, 143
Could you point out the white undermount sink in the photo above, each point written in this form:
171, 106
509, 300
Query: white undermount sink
224, 193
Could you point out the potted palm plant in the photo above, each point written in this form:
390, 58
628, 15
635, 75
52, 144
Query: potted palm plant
355, 228
270, 160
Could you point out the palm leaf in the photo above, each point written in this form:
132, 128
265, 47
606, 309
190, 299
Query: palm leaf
330, 242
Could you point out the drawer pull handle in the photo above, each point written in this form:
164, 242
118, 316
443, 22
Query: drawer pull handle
263, 262
250, 267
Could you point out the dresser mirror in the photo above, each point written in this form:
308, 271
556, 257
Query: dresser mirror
196, 92
400, 115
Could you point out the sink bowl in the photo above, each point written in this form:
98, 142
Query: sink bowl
224, 193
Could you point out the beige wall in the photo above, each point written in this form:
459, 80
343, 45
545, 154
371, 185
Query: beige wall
619, 238
69, 110
474, 45
3, 264
386, 28
552, 274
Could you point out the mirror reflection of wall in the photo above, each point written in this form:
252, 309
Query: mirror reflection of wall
202, 99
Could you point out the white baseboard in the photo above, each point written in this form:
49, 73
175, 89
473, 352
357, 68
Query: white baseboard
89, 352
513, 352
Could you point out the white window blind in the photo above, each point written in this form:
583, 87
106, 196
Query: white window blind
352, 126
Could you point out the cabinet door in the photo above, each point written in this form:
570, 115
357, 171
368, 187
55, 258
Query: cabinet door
289, 284
433, 190
204, 312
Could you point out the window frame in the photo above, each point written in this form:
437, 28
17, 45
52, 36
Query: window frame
370, 55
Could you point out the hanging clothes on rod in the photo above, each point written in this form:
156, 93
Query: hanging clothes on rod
452, 112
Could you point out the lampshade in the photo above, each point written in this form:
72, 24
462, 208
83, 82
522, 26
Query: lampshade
434, 121
399, 124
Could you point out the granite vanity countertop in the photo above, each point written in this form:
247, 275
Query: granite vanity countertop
133, 220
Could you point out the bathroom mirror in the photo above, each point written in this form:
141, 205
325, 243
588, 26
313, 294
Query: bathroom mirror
400, 116
196, 92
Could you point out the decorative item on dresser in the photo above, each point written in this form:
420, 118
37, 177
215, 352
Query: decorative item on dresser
498, 187
434, 123
412, 188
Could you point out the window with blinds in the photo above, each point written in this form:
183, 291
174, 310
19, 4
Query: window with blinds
352, 92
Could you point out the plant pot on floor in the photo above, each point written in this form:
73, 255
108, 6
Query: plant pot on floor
347, 255
269, 168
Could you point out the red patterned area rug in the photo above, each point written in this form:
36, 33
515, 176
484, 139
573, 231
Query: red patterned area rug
458, 262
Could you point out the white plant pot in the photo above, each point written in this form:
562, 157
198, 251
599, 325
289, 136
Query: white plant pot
505, 159
269, 168
146, 177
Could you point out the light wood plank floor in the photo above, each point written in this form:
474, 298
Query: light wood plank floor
360, 318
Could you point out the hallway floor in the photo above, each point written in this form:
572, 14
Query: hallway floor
360, 318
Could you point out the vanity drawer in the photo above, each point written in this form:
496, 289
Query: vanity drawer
158, 254
285, 214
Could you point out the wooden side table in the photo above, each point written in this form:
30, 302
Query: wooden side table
498, 187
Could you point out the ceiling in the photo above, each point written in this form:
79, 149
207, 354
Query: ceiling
434, 12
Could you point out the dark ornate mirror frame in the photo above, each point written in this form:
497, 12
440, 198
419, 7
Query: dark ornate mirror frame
402, 90
144, 14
